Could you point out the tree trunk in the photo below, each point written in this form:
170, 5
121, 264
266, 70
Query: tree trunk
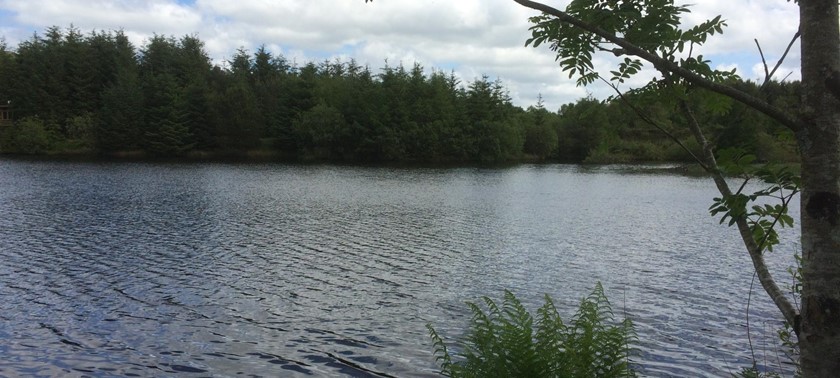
819, 143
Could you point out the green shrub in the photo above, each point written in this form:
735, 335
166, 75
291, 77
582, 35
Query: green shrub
778, 149
673, 152
30, 136
540, 140
80, 131
507, 341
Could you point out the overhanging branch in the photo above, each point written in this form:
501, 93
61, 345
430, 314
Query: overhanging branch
665, 65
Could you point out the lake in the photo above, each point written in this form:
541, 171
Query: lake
163, 269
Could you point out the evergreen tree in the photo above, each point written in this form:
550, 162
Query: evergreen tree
167, 132
170, 98
122, 110
7, 72
121, 118
540, 136
82, 95
240, 116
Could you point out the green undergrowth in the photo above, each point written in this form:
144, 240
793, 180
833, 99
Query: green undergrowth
507, 341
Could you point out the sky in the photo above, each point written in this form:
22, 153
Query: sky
471, 37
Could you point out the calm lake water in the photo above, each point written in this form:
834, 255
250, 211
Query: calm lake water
142, 269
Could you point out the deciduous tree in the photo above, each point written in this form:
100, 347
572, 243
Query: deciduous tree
648, 32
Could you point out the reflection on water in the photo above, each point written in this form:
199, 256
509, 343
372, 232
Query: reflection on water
155, 269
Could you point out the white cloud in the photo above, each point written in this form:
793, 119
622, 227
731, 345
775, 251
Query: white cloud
784, 72
144, 17
474, 37
772, 22
730, 67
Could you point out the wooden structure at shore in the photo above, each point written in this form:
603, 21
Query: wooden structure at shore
5, 114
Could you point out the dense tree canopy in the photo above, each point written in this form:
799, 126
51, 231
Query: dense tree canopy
97, 93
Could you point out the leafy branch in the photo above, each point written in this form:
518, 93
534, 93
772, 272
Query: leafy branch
762, 219
574, 33
649, 31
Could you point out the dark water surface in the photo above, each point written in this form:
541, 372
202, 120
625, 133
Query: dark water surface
140, 269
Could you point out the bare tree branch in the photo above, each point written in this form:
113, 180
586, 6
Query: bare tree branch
662, 64
769, 75
787, 50
763, 62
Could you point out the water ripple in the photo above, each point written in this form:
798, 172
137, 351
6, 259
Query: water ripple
169, 269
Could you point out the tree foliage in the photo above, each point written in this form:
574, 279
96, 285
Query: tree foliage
643, 32
167, 98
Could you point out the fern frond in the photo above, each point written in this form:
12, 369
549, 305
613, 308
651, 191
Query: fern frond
517, 337
482, 340
441, 352
550, 340
507, 342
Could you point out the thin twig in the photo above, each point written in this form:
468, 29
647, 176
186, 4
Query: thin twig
785, 202
787, 76
749, 300
768, 75
763, 62
787, 50
743, 185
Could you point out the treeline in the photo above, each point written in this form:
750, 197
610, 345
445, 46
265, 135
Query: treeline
97, 94
613, 132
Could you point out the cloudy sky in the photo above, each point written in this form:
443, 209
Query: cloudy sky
472, 37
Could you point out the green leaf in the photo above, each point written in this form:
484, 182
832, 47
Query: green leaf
507, 341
